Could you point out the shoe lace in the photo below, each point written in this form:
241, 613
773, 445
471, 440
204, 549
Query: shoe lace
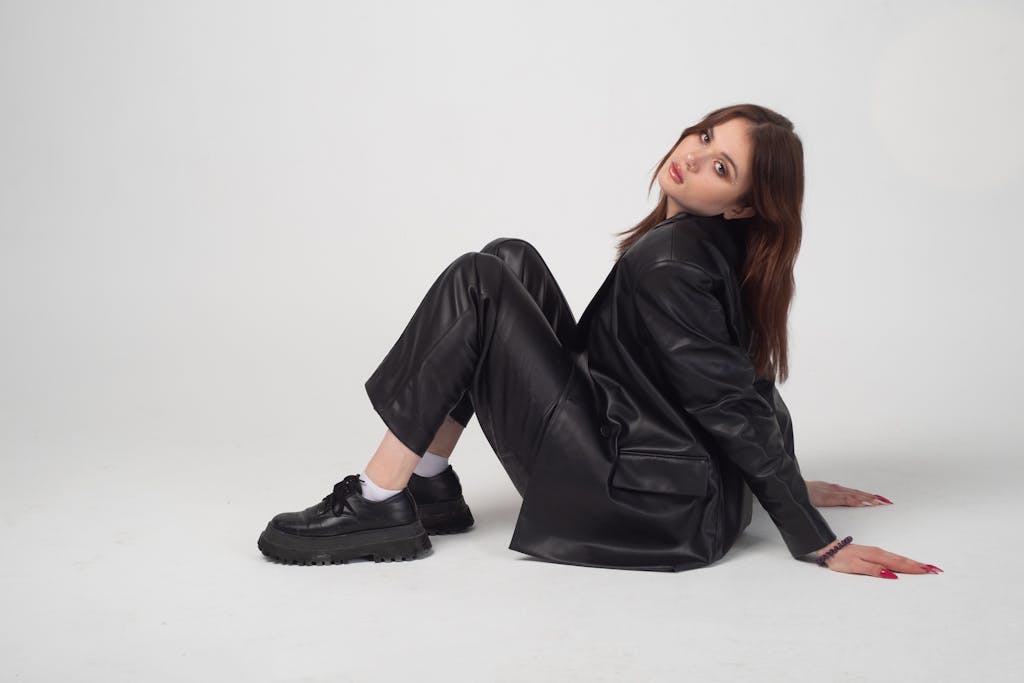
338, 498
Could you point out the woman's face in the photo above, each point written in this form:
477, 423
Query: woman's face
714, 166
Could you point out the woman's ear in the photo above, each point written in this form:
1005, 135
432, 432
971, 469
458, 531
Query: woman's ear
734, 212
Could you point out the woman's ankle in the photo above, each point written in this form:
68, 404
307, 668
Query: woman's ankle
431, 464
392, 463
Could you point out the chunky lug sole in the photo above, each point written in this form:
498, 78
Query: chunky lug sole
446, 517
383, 545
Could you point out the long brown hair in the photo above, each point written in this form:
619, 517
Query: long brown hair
774, 233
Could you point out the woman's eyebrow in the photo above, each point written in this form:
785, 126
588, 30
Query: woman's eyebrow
727, 157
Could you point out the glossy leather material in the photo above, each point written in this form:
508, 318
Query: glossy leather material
686, 433
442, 508
637, 436
345, 511
441, 487
481, 341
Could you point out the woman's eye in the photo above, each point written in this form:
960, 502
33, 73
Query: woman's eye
724, 170
703, 133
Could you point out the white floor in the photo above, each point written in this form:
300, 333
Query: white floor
143, 566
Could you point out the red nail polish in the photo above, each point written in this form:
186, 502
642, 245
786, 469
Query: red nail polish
885, 573
883, 499
932, 567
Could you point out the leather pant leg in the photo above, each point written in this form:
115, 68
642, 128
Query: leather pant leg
531, 269
477, 331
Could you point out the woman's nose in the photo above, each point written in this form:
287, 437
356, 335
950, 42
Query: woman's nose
691, 162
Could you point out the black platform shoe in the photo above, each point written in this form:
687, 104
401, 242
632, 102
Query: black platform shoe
344, 526
440, 503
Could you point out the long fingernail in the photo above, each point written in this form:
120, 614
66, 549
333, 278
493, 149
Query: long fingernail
886, 574
883, 499
932, 568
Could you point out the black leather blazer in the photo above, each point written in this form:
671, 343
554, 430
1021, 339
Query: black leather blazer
689, 431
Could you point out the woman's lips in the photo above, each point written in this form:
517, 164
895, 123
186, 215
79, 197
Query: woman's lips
677, 175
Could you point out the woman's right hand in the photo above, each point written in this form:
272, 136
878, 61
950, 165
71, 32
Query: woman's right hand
873, 561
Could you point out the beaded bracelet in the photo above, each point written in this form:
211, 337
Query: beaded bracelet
825, 556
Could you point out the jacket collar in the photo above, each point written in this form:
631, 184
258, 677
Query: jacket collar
729, 236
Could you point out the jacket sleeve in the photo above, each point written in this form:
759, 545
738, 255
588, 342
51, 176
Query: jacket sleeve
767, 388
712, 379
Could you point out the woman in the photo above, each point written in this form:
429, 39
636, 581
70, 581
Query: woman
637, 437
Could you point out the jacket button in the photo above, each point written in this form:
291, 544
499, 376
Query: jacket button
605, 430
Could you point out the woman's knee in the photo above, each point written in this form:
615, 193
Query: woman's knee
476, 264
512, 250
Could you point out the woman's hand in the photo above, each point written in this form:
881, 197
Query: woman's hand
824, 494
873, 561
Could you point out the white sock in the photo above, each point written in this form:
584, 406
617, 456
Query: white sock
431, 464
373, 492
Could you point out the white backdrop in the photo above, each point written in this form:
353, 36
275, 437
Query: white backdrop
216, 218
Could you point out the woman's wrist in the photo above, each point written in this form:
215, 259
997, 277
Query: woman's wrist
822, 555
820, 551
815, 555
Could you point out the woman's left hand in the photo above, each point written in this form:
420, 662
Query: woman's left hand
823, 494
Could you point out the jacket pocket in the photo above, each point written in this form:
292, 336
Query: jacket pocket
680, 475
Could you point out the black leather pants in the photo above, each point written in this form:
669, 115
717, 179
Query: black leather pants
493, 334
